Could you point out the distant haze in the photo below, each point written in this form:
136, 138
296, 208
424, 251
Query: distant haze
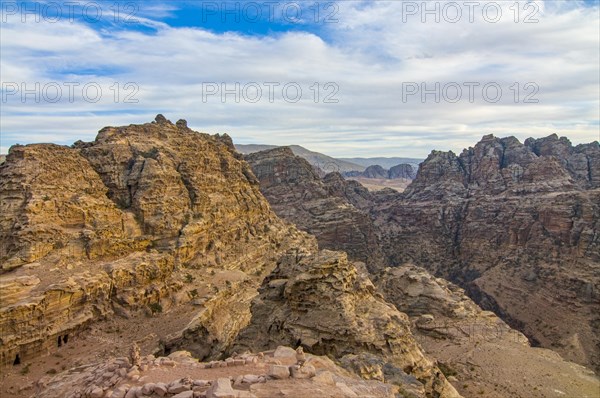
328, 163
386, 163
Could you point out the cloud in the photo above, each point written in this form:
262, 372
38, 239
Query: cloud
374, 53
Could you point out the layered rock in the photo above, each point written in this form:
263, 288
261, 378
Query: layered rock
517, 226
327, 208
324, 304
129, 223
474, 347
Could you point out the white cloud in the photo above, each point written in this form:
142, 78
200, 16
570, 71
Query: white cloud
368, 54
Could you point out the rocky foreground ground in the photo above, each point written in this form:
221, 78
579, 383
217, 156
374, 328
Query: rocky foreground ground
282, 372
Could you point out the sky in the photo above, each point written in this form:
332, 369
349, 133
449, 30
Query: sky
346, 78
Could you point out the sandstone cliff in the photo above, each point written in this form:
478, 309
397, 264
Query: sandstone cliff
159, 235
131, 223
328, 208
476, 349
517, 226
324, 304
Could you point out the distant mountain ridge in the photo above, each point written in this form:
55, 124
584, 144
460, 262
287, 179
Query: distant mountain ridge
322, 161
404, 170
386, 163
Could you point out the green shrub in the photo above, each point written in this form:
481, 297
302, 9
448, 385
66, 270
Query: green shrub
155, 308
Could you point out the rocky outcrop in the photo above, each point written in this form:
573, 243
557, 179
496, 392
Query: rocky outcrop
514, 224
323, 303
129, 223
404, 170
261, 375
375, 171
504, 165
517, 226
328, 208
476, 349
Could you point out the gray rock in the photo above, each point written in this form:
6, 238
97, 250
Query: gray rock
279, 371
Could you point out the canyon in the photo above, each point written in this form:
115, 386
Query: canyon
515, 224
219, 265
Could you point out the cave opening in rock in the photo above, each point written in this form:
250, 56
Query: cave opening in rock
65, 339
17, 360
59, 341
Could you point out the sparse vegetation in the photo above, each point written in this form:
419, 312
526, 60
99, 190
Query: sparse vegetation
155, 308
189, 278
446, 369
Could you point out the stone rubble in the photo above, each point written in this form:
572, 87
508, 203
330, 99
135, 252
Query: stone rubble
293, 379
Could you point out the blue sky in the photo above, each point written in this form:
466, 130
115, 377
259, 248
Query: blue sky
351, 78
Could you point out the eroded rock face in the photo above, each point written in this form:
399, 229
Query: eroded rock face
54, 203
325, 304
130, 222
475, 347
517, 226
328, 208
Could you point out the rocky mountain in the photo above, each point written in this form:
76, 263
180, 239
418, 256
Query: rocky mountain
145, 220
158, 237
157, 240
514, 224
323, 303
324, 207
517, 226
474, 347
404, 171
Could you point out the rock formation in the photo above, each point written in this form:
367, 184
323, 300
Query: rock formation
517, 226
128, 223
328, 208
323, 303
402, 171
375, 171
158, 237
476, 349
